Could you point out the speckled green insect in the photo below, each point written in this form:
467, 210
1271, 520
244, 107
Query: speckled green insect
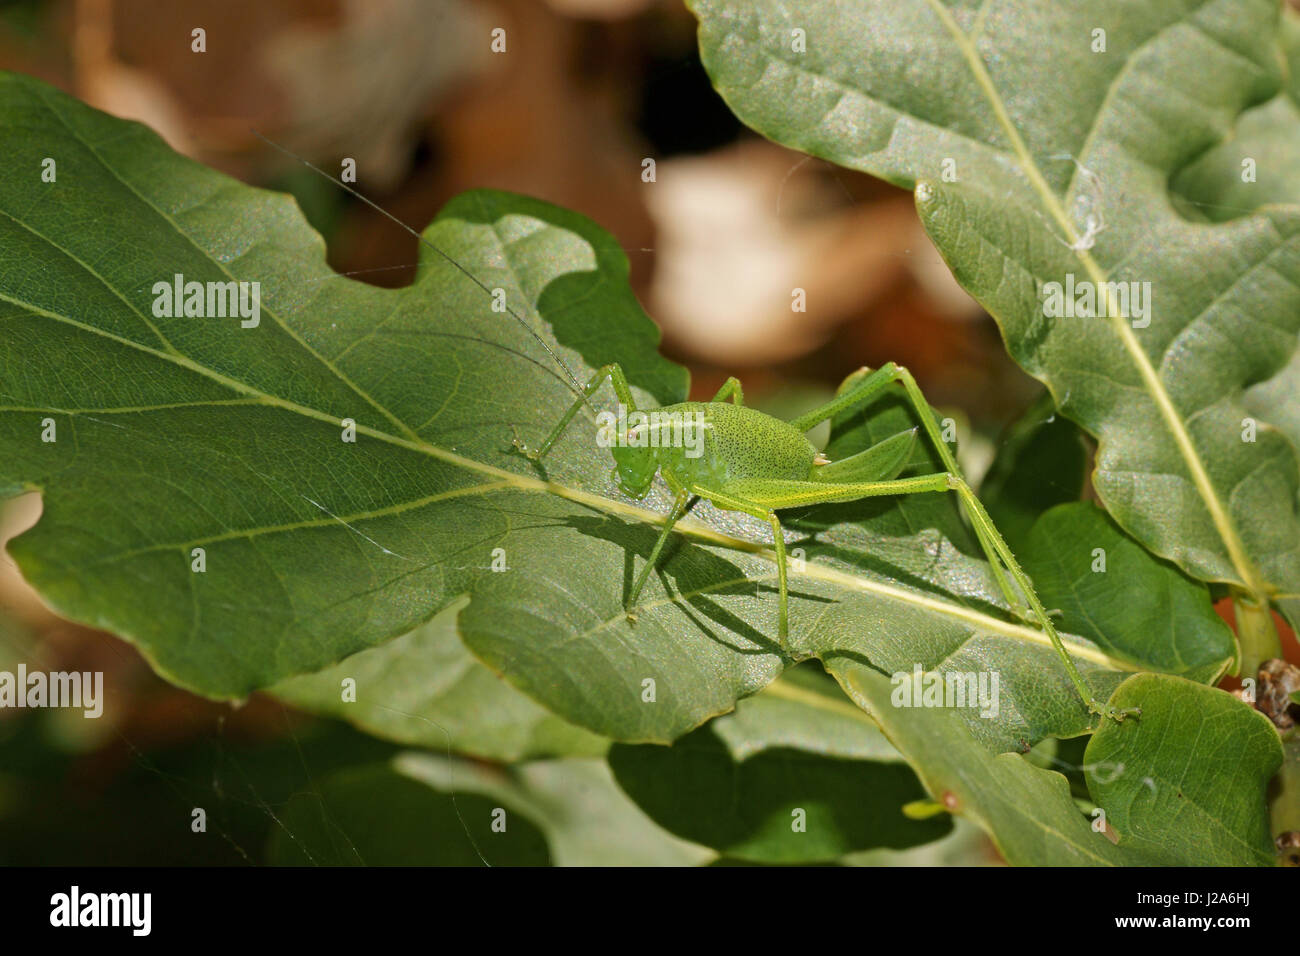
753, 463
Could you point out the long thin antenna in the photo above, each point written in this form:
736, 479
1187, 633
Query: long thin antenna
573, 379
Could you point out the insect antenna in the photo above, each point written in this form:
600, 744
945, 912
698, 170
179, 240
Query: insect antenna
573, 379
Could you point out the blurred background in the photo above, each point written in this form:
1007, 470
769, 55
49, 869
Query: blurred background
411, 90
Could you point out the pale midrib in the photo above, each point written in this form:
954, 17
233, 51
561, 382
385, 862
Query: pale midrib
133, 409
330, 522
599, 503
326, 363
1222, 521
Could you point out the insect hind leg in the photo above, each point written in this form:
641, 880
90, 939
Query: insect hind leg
999, 554
1003, 563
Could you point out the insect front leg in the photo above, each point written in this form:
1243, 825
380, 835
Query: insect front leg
860, 394
621, 389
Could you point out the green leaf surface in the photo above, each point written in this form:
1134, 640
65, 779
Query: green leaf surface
1184, 784
1198, 742
1214, 187
1277, 400
241, 781
1027, 810
575, 801
797, 774
426, 689
966, 846
1112, 591
986, 109
229, 439
419, 809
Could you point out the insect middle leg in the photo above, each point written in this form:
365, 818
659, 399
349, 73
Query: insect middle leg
686, 498
732, 502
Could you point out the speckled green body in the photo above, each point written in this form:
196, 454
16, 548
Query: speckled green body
738, 442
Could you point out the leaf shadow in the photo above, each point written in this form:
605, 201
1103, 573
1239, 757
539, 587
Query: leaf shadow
733, 803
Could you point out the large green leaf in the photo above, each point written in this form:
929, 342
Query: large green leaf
797, 774
227, 438
1214, 187
1119, 596
983, 108
1042, 462
423, 809
210, 435
1027, 810
378, 816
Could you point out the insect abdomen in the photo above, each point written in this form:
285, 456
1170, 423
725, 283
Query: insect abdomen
738, 442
